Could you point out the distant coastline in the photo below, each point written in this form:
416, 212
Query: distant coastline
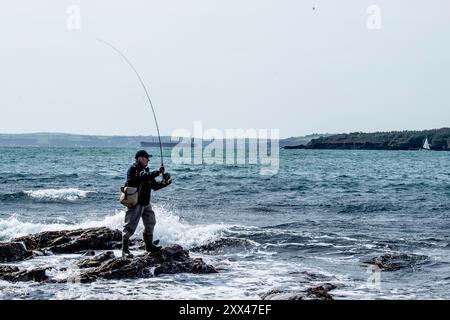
46, 139
438, 140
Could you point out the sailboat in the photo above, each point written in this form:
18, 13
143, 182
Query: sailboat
426, 145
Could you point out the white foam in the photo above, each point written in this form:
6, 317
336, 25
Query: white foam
169, 228
12, 227
68, 194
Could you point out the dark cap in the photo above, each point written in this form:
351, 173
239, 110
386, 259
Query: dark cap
142, 153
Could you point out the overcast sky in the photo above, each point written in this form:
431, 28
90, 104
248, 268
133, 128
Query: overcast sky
231, 64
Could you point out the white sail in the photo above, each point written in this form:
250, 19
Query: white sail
426, 144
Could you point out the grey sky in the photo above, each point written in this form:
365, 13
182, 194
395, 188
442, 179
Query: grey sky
231, 64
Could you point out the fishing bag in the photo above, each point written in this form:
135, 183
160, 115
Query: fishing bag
129, 196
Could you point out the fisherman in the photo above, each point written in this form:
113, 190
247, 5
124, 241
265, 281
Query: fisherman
139, 176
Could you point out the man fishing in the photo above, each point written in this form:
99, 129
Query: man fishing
139, 176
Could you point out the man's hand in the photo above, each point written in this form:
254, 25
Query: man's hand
166, 182
162, 169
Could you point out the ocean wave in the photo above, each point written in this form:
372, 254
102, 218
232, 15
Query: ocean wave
57, 195
40, 177
169, 228
369, 207
263, 208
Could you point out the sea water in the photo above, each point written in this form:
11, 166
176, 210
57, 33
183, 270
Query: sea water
317, 221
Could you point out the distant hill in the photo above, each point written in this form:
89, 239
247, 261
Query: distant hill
70, 140
393, 140
75, 140
295, 141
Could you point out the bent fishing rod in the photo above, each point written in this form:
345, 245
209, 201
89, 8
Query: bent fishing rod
145, 89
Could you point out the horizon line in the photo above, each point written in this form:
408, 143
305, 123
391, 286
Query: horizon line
150, 135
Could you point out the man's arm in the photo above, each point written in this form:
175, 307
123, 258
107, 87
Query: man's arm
159, 185
156, 185
153, 174
135, 178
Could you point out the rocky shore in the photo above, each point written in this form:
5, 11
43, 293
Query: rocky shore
104, 265
97, 261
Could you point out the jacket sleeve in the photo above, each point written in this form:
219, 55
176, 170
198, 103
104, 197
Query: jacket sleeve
149, 176
157, 185
153, 174
135, 178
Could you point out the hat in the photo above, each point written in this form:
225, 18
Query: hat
142, 153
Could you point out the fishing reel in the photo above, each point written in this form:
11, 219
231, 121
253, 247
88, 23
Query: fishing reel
166, 176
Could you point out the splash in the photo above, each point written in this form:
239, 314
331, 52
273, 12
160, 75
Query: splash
169, 228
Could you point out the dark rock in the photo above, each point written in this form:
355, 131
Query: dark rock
269, 294
223, 242
14, 274
169, 260
89, 253
13, 251
73, 241
96, 261
321, 292
393, 262
315, 293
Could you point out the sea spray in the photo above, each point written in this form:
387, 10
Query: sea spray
169, 228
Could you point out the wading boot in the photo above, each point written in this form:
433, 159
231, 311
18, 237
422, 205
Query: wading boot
149, 244
126, 254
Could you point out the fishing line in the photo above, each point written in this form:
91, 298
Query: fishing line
145, 89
